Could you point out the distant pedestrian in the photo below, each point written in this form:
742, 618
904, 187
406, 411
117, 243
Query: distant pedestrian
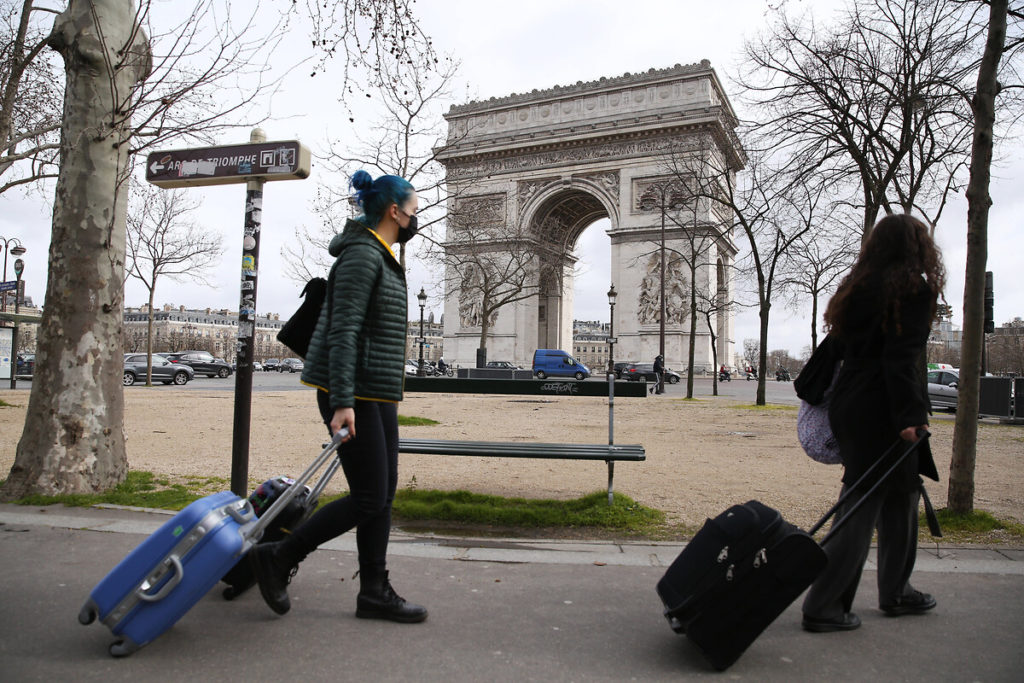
659, 375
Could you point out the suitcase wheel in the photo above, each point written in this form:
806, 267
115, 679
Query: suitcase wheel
86, 615
120, 648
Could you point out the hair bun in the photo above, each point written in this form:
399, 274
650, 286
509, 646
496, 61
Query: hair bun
362, 181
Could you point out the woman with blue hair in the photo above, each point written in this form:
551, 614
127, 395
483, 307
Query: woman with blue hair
356, 361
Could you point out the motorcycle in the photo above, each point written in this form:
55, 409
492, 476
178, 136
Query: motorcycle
751, 376
725, 376
782, 375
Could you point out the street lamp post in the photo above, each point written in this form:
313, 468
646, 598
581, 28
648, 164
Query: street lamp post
612, 294
19, 267
422, 296
14, 246
661, 317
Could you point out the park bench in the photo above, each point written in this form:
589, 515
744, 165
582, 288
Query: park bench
610, 452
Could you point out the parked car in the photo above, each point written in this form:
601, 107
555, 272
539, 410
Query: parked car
942, 388
163, 370
271, 364
256, 365
502, 365
411, 367
202, 362
557, 363
634, 372
290, 365
26, 365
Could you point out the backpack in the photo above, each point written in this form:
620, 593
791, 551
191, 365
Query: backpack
298, 331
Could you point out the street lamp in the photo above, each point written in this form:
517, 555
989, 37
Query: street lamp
612, 295
14, 246
19, 267
422, 296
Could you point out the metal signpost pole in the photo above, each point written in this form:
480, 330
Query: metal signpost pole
253, 164
245, 350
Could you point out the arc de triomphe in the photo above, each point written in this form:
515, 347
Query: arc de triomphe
527, 174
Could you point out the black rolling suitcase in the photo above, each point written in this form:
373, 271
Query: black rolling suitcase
745, 567
300, 506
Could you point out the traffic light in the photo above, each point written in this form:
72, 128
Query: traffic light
990, 324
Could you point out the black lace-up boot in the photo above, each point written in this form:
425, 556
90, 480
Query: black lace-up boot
378, 600
274, 565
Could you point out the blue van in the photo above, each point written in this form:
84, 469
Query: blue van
556, 363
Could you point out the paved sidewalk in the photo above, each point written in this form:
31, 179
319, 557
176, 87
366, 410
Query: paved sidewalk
501, 610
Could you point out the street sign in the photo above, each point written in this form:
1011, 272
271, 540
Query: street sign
286, 160
8, 286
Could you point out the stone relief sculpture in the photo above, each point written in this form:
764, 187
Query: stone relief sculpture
676, 299
470, 304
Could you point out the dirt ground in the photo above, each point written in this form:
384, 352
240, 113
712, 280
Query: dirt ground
702, 456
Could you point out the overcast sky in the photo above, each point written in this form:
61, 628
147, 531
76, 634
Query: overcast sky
506, 48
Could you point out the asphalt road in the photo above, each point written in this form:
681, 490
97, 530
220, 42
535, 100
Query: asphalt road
744, 391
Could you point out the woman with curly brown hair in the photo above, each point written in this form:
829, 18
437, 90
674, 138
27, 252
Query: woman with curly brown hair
881, 315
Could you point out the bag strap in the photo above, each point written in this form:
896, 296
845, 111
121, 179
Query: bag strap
929, 512
922, 434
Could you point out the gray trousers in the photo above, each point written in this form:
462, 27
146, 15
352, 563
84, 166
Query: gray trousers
894, 513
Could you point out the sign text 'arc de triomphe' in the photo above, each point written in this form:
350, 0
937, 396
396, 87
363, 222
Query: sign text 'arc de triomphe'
528, 173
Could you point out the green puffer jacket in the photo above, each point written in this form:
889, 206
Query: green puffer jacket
358, 347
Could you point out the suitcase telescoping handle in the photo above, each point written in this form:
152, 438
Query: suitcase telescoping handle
922, 434
256, 531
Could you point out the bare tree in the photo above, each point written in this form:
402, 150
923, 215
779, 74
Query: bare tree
402, 143
712, 303
31, 104
691, 167
122, 95
164, 240
493, 263
752, 352
875, 100
1006, 348
72, 439
816, 262
772, 211
983, 103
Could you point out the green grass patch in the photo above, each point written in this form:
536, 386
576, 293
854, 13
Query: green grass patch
5, 404
624, 514
139, 489
411, 421
975, 527
767, 406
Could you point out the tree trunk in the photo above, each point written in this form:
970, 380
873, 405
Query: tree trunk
763, 375
149, 336
693, 335
814, 323
73, 439
965, 434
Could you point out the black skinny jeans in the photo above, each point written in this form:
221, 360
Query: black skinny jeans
370, 463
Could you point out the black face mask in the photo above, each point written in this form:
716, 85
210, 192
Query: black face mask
407, 233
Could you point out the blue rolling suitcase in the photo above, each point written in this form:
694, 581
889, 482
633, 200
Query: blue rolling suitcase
169, 572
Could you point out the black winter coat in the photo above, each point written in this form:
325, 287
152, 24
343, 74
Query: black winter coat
882, 386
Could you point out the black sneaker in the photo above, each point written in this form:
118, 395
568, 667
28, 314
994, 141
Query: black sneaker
914, 603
